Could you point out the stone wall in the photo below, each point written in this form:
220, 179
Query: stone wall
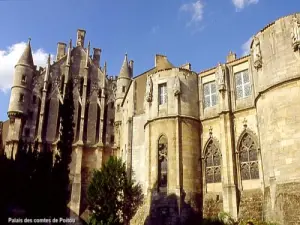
251, 204
212, 204
285, 208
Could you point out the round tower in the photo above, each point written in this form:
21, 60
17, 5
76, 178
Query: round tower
172, 140
123, 82
275, 55
20, 99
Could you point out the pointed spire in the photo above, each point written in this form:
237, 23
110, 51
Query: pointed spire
105, 68
46, 78
87, 54
125, 71
26, 58
48, 61
69, 52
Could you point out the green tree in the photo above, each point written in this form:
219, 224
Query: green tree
112, 196
60, 174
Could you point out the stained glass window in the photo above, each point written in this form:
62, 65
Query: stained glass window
210, 94
248, 158
212, 163
242, 84
162, 164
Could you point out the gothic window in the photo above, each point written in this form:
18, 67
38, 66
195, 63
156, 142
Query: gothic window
27, 132
30, 115
21, 98
81, 86
212, 163
24, 78
112, 122
210, 94
34, 99
62, 83
242, 84
248, 158
162, 179
112, 139
162, 88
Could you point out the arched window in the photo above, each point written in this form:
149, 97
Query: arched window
62, 85
162, 164
212, 163
81, 86
248, 158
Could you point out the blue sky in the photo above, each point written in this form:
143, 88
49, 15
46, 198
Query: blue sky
200, 32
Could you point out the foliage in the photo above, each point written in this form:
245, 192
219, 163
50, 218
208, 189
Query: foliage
60, 176
113, 198
256, 222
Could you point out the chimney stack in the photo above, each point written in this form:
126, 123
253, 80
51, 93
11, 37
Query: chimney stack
231, 57
96, 56
131, 67
61, 50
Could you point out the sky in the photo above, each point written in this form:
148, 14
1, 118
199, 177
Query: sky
201, 32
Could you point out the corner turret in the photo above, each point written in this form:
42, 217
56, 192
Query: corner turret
123, 82
20, 99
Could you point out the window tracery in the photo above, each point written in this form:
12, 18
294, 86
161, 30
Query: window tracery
212, 163
162, 164
248, 158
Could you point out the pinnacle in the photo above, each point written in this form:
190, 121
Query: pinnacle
26, 58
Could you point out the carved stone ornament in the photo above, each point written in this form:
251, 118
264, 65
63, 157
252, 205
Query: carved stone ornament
149, 89
257, 59
176, 87
75, 81
56, 83
220, 77
95, 86
295, 34
79, 40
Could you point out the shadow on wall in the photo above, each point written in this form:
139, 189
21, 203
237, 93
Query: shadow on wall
169, 210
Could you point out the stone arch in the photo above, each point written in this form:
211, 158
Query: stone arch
247, 151
212, 161
162, 159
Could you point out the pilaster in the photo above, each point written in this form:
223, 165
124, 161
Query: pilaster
83, 105
76, 185
42, 112
229, 186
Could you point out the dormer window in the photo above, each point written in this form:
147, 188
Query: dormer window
21, 98
24, 78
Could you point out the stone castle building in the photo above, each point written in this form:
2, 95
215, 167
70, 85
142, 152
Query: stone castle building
225, 139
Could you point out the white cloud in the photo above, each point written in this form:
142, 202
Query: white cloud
9, 58
246, 47
195, 9
240, 4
